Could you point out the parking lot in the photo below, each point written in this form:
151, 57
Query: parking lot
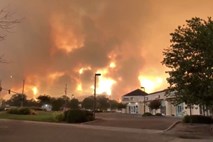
133, 121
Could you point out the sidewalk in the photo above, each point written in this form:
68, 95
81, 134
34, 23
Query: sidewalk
191, 132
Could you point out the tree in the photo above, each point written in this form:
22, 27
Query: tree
121, 105
6, 23
17, 100
60, 103
2, 104
44, 99
102, 103
190, 61
73, 104
31, 103
87, 103
113, 104
155, 104
57, 103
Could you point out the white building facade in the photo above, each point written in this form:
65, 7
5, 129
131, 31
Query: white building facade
138, 102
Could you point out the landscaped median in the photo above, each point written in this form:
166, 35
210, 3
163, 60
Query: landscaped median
69, 116
39, 116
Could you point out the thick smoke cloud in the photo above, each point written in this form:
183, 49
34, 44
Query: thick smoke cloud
56, 39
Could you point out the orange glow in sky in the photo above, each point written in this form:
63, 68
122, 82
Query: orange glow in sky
150, 83
55, 75
68, 41
105, 85
79, 87
81, 70
112, 65
65, 39
35, 90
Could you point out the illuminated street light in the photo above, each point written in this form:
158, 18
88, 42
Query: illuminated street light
94, 103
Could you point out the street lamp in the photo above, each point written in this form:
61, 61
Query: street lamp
94, 103
144, 100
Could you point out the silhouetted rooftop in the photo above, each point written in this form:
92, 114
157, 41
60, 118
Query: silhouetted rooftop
137, 92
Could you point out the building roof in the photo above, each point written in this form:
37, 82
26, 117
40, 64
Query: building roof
137, 92
158, 92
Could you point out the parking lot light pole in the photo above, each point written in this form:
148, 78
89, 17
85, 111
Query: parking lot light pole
94, 102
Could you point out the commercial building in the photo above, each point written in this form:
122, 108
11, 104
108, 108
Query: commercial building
137, 102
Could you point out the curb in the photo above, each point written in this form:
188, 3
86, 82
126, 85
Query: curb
172, 126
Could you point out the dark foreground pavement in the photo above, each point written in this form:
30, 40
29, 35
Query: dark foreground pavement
108, 128
23, 131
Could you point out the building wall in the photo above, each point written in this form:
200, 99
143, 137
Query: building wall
140, 104
195, 109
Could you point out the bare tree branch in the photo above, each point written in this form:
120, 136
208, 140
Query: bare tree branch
7, 22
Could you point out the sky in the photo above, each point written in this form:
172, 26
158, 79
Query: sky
64, 43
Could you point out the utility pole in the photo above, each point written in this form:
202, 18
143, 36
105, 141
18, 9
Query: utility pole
0, 86
0, 94
65, 90
22, 99
65, 93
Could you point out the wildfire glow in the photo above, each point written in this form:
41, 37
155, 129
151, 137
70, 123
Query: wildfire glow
112, 65
65, 39
79, 87
103, 71
81, 70
105, 85
150, 83
35, 90
55, 75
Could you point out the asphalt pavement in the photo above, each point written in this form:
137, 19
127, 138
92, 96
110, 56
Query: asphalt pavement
133, 121
25, 131
108, 127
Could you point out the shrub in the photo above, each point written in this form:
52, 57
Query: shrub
78, 116
147, 114
20, 111
158, 114
1, 109
24, 111
12, 111
59, 117
197, 119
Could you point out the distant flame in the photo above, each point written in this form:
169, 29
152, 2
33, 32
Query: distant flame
81, 70
112, 65
55, 75
35, 90
79, 87
150, 83
105, 85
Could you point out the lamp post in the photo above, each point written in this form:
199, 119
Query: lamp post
94, 103
144, 100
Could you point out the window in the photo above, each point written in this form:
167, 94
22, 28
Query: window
179, 109
125, 99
